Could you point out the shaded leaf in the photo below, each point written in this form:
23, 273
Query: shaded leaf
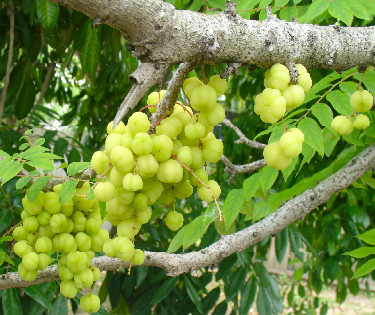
36, 294
67, 190
36, 187
47, 13
163, 291
232, 206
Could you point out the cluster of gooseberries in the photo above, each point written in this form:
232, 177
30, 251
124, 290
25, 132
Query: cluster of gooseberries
279, 94
70, 232
279, 154
140, 166
361, 101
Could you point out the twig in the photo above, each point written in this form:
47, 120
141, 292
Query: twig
10, 56
146, 75
239, 169
243, 139
172, 91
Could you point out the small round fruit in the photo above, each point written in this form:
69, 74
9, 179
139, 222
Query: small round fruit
209, 191
274, 157
218, 84
203, 98
120, 128
190, 85
30, 261
90, 303
362, 101
361, 122
105, 191
343, 125
174, 220
138, 122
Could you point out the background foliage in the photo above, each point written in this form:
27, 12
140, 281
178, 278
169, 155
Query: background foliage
67, 81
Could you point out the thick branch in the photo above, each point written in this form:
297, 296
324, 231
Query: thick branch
175, 264
10, 57
160, 33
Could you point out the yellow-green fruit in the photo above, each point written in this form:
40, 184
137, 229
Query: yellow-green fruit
120, 128
44, 261
210, 191
105, 191
290, 144
21, 248
270, 105
362, 101
112, 140
27, 275
99, 162
174, 220
278, 77
170, 172
190, 85
274, 157
361, 122
218, 84
90, 303
122, 158
30, 261
123, 248
294, 96
343, 125
154, 99
138, 258
68, 289
203, 98
138, 122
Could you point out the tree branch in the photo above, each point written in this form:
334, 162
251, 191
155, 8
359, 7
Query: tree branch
10, 57
175, 36
239, 169
172, 91
144, 77
175, 264
243, 139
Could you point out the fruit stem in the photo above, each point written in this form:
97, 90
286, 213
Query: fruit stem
360, 82
147, 106
162, 117
11, 229
184, 107
202, 183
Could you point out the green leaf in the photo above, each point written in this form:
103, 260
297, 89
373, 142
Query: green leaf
40, 141
4, 154
37, 295
103, 210
281, 244
47, 13
267, 177
194, 231
313, 134
176, 242
90, 52
42, 161
36, 187
244, 7
77, 167
364, 269
314, 10
369, 81
163, 291
232, 206
193, 294
330, 141
251, 185
287, 171
361, 252
6, 216
361, 8
248, 296
22, 182
235, 284
67, 190
11, 302
10, 170
26, 97
60, 306
210, 300
24, 146
295, 242
340, 102
341, 11
323, 113
368, 237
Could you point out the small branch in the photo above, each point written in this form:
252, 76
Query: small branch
175, 264
243, 139
10, 57
239, 169
231, 68
172, 91
146, 75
